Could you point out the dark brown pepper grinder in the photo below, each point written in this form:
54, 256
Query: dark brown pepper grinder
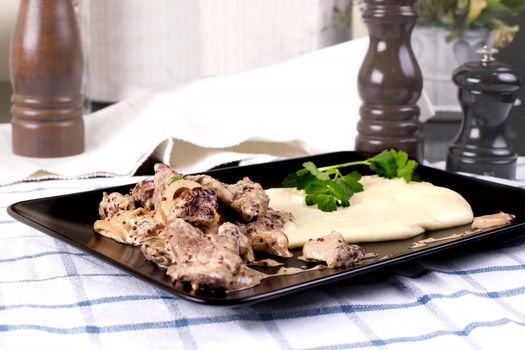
390, 80
46, 68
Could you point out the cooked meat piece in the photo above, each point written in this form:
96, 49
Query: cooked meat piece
241, 243
266, 233
143, 193
157, 250
114, 203
163, 174
249, 199
221, 190
144, 226
333, 250
492, 220
129, 226
272, 220
170, 197
197, 206
203, 260
271, 242
246, 197
177, 227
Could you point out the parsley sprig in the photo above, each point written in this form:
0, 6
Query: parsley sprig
328, 188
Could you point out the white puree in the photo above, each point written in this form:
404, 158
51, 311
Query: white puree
384, 210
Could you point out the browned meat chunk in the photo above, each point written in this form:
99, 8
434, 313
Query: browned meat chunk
170, 197
143, 193
333, 250
266, 233
203, 260
272, 220
114, 203
197, 206
221, 190
249, 199
246, 197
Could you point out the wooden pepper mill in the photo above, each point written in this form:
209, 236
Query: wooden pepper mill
487, 91
46, 68
390, 80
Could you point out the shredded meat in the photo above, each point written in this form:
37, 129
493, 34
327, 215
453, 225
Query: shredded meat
333, 249
114, 203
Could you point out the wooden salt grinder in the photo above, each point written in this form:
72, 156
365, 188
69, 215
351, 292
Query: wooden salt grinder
389, 81
46, 68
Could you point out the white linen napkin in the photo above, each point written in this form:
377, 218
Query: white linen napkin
303, 106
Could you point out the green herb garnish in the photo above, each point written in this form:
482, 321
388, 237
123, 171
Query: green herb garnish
329, 188
173, 179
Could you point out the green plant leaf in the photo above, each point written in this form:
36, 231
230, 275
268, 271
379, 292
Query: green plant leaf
457, 15
339, 193
514, 5
325, 202
312, 169
352, 181
326, 186
384, 164
476, 6
173, 179
300, 179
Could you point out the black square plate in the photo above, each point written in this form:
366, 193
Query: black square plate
70, 218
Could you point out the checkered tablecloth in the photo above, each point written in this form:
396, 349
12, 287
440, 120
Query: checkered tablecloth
54, 295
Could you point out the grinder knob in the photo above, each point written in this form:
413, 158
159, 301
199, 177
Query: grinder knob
487, 92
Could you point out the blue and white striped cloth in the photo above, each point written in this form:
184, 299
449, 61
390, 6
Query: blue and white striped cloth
52, 294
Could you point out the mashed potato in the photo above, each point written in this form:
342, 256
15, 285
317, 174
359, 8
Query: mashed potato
386, 209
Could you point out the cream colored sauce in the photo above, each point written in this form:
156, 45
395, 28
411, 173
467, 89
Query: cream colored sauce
386, 209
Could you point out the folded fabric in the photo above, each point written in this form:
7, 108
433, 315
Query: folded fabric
303, 106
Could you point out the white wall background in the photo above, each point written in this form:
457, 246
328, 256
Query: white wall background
137, 45
297, 21
358, 27
8, 11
